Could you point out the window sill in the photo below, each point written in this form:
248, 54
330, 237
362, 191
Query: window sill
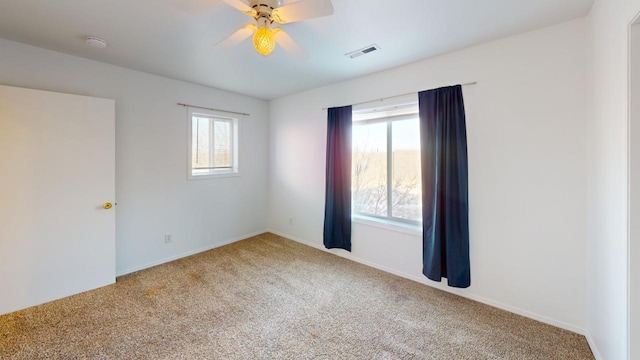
214, 176
387, 225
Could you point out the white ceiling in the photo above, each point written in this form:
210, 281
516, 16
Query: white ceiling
175, 38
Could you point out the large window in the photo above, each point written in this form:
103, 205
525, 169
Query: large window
213, 148
386, 164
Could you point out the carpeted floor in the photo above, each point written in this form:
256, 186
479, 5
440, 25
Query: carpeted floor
271, 298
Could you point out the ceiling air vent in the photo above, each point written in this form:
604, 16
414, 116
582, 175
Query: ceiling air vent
366, 50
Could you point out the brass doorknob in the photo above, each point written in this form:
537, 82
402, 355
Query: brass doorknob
107, 205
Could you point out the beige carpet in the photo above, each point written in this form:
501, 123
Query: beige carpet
271, 298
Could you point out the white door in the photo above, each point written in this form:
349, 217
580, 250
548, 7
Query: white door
57, 156
634, 193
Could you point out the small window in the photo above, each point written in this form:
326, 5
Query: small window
386, 180
213, 145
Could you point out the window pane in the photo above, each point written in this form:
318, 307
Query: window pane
406, 181
213, 145
369, 169
222, 144
200, 145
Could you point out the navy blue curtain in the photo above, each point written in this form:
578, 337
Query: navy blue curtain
445, 209
337, 211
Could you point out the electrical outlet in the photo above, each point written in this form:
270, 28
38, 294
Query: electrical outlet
167, 238
290, 221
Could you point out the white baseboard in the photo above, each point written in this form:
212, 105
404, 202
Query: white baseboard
425, 281
592, 345
185, 254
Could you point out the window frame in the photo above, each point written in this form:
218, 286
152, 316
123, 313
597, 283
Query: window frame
213, 116
411, 225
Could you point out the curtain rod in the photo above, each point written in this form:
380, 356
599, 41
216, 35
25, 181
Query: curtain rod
396, 96
206, 108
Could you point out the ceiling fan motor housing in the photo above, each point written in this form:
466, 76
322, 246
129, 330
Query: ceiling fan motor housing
263, 10
270, 3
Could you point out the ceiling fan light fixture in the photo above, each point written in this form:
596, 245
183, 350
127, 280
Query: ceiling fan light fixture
265, 13
263, 41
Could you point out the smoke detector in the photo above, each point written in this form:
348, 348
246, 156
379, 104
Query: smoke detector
95, 42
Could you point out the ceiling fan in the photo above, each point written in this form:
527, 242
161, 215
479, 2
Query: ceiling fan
265, 13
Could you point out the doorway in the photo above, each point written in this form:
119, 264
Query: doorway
634, 191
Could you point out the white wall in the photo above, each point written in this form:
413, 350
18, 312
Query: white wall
152, 192
607, 146
526, 137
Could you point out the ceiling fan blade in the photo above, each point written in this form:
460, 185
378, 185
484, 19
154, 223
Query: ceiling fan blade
289, 45
242, 6
237, 37
302, 10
